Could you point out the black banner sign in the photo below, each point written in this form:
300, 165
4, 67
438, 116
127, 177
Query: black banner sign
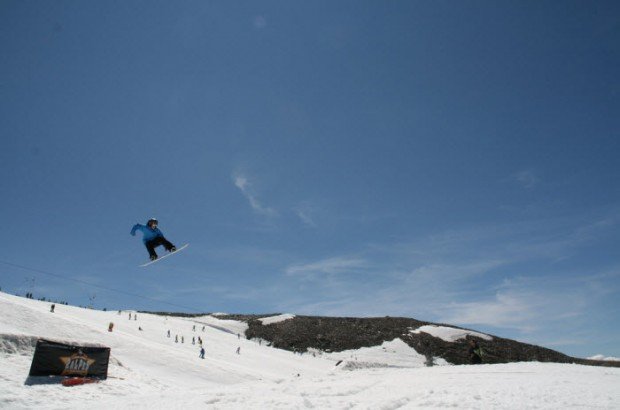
59, 359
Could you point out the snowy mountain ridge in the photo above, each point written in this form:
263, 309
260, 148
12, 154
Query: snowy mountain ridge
335, 334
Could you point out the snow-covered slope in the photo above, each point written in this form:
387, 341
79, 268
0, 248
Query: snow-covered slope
148, 369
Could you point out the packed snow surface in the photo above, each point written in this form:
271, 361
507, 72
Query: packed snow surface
149, 370
449, 334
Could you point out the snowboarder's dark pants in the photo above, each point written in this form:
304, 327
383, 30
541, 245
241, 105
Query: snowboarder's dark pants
153, 243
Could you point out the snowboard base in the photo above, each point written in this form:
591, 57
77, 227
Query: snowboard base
165, 256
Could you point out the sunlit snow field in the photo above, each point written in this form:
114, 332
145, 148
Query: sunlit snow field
149, 370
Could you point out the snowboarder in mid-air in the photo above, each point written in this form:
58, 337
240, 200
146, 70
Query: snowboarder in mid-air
152, 237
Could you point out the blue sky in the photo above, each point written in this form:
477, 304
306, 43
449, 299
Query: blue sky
449, 161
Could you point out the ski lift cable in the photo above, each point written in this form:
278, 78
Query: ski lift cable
97, 286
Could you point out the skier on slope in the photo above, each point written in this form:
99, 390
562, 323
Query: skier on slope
152, 237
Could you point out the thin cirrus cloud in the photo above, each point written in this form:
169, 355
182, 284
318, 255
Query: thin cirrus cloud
304, 210
329, 266
529, 305
526, 178
242, 182
305, 213
505, 309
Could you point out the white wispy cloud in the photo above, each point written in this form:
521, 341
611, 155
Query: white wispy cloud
529, 305
242, 182
526, 178
304, 212
260, 22
451, 271
327, 266
503, 310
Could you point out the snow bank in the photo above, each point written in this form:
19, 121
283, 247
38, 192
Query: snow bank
276, 319
395, 353
605, 358
449, 334
230, 326
17, 344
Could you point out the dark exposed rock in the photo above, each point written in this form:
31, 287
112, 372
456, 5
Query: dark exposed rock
330, 334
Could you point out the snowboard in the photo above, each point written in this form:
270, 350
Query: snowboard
165, 255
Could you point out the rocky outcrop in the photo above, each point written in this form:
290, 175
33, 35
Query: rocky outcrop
338, 334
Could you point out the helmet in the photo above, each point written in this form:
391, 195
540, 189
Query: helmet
150, 221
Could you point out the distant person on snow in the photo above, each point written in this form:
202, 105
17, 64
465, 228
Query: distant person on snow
152, 237
474, 352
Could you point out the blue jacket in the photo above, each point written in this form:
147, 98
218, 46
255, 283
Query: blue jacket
148, 233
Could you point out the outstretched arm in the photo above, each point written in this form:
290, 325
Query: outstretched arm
135, 228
